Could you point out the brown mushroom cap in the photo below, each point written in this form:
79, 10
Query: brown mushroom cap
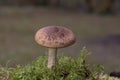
54, 37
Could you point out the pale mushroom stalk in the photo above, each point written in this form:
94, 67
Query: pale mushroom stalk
52, 55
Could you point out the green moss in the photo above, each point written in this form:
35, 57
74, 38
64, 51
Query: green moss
66, 68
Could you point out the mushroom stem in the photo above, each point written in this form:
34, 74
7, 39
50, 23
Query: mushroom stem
52, 54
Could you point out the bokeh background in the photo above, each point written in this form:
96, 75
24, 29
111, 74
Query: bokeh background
96, 24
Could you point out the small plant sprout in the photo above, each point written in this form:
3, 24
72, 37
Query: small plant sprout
54, 37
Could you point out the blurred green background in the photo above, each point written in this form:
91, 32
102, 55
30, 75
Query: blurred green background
96, 24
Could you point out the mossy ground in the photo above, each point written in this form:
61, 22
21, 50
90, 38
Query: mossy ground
66, 68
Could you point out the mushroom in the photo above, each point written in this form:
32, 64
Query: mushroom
54, 37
